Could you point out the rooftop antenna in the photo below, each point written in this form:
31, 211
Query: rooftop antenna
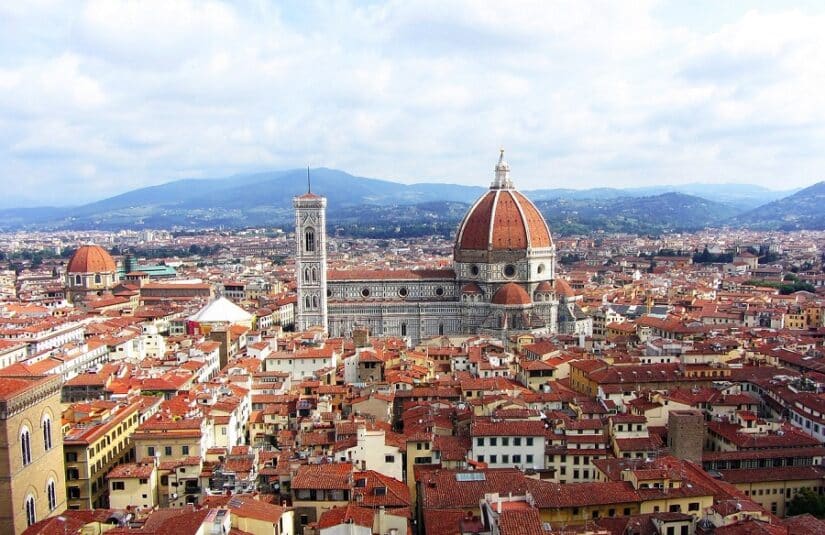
309, 183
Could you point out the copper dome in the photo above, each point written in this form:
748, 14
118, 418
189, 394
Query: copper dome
91, 259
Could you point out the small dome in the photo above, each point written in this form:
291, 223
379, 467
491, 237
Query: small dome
91, 259
544, 287
511, 294
471, 288
563, 288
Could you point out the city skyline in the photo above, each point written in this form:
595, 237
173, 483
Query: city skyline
105, 98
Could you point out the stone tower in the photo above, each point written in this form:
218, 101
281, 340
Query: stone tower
311, 260
686, 434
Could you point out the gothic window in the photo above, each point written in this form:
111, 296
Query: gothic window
403, 329
440, 329
47, 433
314, 301
30, 513
314, 275
309, 240
306, 274
307, 302
26, 446
51, 494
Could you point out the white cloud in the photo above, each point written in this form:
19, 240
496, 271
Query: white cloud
580, 93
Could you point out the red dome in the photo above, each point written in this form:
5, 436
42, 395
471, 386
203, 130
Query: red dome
564, 289
91, 259
511, 294
544, 287
471, 288
503, 219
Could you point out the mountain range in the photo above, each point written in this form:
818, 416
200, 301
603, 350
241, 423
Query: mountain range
368, 206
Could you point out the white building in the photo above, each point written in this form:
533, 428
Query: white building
302, 363
508, 443
371, 452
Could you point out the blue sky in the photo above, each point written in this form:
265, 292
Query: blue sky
101, 97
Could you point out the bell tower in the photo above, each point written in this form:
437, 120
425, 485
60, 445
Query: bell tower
311, 259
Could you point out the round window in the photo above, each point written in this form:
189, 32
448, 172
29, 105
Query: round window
474, 270
329, 293
509, 270
403, 292
365, 292
439, 291
540, 269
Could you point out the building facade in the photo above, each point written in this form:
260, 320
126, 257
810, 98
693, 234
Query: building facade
311, 259
501, 282
32, 482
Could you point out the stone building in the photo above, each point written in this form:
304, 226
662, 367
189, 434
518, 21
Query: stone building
90, 272
501, 282
32, 482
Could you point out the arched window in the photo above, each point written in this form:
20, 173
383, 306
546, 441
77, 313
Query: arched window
97, 278
309, 240
30, 513
51, 494
403, 329
307, 302
314, 301
306, 274
77, 279
440, 329
314, 275
47, 432
26, 446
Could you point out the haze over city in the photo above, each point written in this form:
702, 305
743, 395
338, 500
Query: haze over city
98, 98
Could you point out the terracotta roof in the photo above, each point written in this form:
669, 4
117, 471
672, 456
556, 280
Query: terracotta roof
511, 294
351, 514
91, 259
323, 476
390, 274
138, 470
544, 287
520, 522
563, 288
502, 220
246, 507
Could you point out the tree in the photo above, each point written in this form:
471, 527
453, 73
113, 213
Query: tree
807, 501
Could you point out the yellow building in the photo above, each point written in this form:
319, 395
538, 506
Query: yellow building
168, 438
260, 518
31, 452
133, 485
317, 488
98, 438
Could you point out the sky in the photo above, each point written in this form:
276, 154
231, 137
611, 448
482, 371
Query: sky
101, 97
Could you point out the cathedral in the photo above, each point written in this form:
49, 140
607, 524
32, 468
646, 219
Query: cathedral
502, 281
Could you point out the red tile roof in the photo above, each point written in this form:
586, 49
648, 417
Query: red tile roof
323, 476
